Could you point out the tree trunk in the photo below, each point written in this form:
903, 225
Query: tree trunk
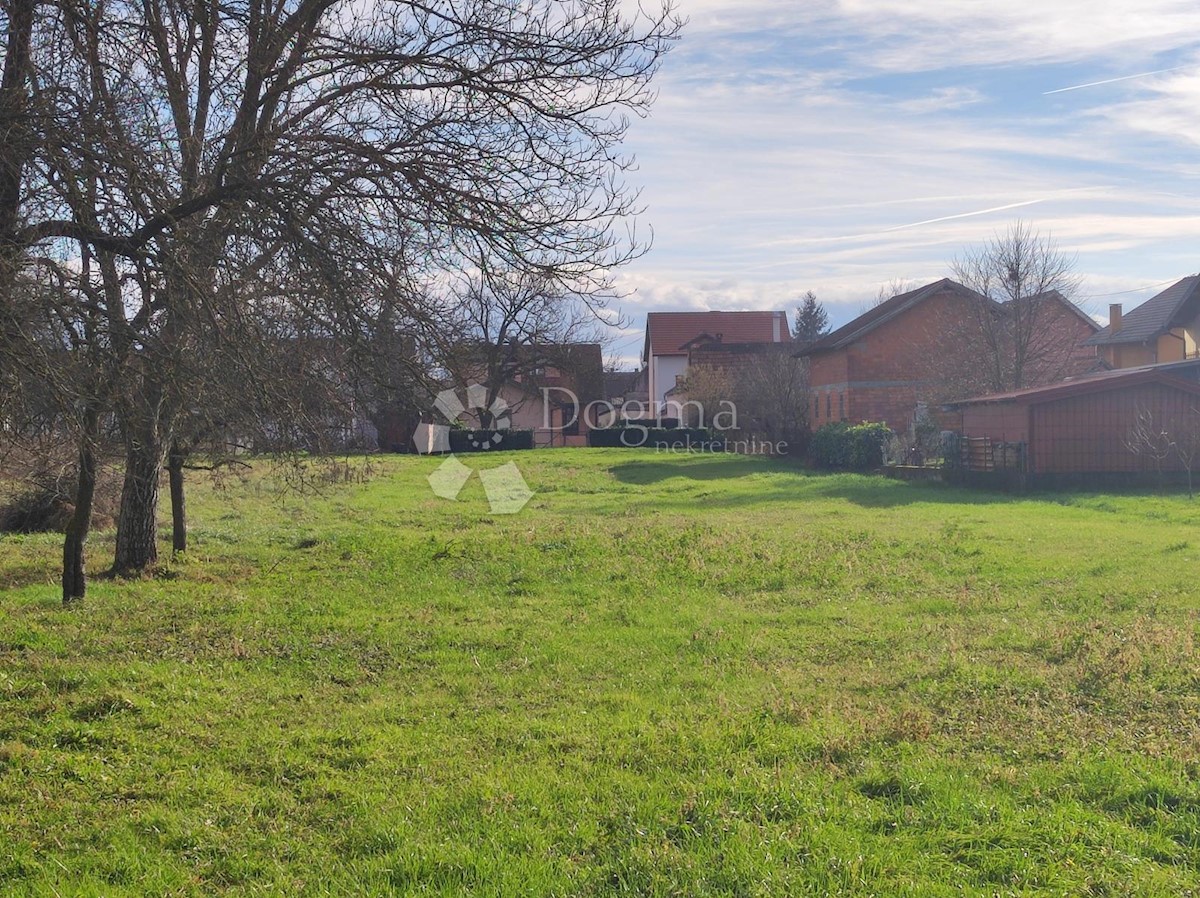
175, 460
74, 575
137, 526
14, 86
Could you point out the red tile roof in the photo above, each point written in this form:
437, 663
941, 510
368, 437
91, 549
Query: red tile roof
668, 332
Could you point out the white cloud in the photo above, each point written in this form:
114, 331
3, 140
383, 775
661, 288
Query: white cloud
834, 146
924, 35
1165, 107
941, 100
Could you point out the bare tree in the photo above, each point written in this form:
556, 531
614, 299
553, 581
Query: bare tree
707, 390
1023, 284
1185, 442
1148, 439
17, 17
888, 289
512, 326
1160, 438
245, 175
766, 391
773, 393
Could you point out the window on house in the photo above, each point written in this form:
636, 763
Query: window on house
841, 406
828, 405
816, 408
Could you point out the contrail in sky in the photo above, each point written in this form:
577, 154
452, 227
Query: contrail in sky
916, 224
1061, 90
841, 238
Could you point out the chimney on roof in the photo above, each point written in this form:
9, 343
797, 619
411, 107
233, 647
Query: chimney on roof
1114, 317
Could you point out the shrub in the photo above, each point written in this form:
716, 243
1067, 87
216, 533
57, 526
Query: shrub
854, 447
46, 503
828, 445
490, 440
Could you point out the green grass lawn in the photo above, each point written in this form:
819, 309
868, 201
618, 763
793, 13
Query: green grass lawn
666, 676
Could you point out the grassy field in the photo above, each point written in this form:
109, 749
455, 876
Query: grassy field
666, 676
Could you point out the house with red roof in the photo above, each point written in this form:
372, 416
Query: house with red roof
671, 336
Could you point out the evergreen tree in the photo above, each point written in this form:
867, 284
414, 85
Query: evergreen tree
812, 321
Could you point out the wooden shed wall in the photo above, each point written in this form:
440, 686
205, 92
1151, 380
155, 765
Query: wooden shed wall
1000, 421
1091, 433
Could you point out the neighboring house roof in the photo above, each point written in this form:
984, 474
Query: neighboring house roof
622, 383
1169, 374
892, 308
1157, 315
669, 333
1074, 309
883, 313
701, 348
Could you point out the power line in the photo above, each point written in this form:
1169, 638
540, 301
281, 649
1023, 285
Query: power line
1134, 290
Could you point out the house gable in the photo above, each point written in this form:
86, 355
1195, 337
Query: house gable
890, 360
885, 312
918, 348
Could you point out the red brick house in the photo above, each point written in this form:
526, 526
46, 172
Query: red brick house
918, 349
763, 382
670, 336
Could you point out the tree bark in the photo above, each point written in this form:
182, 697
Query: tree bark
14, 127
137, 526
74, 574
14, 81
175, 459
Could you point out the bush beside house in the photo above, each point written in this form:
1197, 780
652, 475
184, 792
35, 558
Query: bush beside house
489, 440
853, 447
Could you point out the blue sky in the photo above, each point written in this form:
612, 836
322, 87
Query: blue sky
839, 146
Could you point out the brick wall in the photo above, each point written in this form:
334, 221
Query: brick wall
1057, 351
827, 376
902, 362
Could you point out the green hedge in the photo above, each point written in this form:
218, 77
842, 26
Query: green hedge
853, 447
633, 437
489, 440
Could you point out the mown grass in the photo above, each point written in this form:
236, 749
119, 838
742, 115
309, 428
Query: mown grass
666, 676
